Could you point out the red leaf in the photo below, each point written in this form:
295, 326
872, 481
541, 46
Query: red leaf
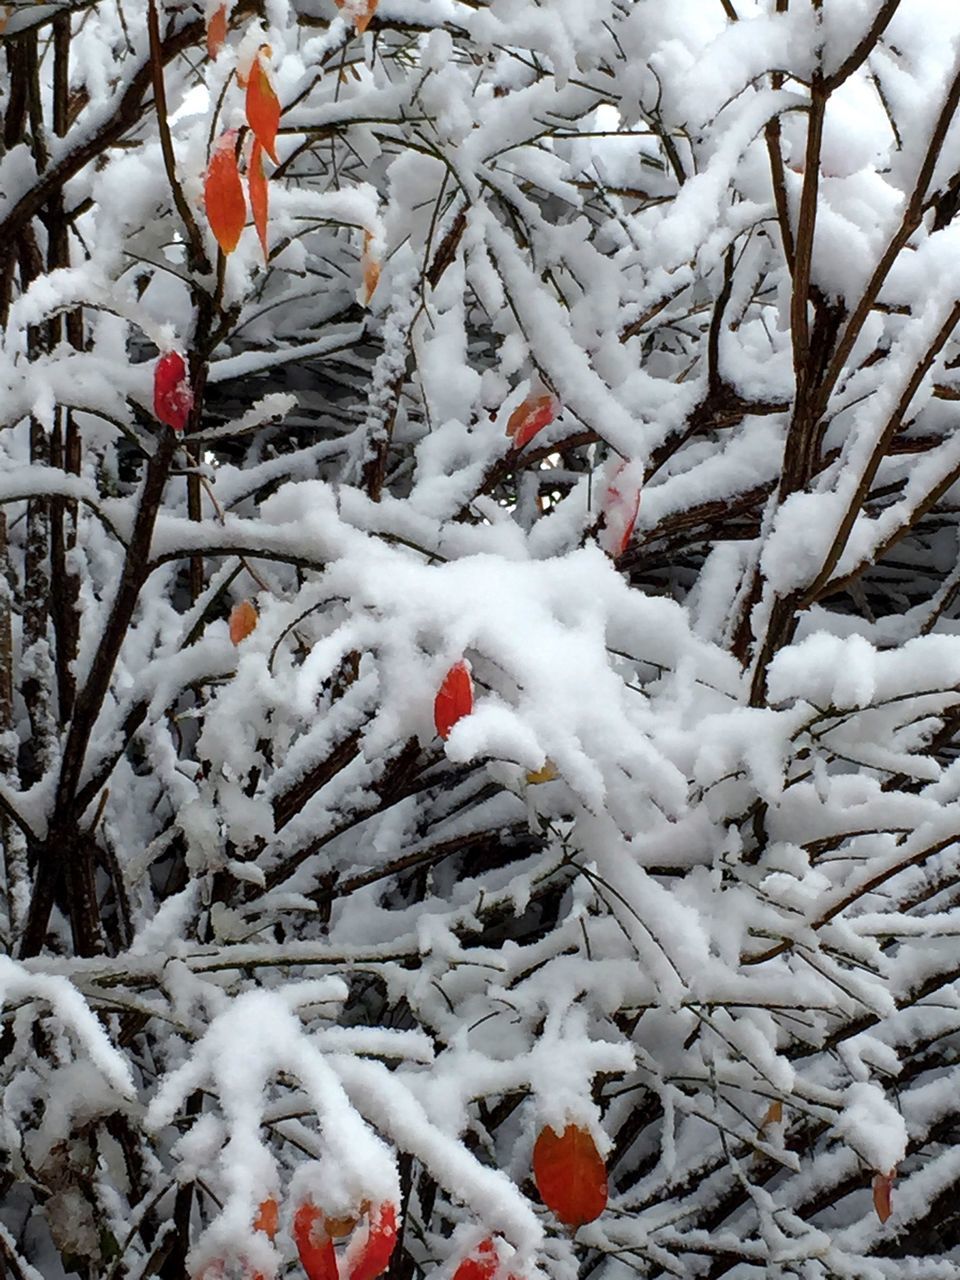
570, 1175
263, 108
480, 1265
268, 1214
216, 30
454, 699
882, 1188
172, 397
257, 182
535, 413
226, 207
372, 1257
315, 1247
621, 504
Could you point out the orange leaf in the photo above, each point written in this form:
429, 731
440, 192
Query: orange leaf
882, 1187
773, 1115
454, 699
337, 1228
372, 1257
314, 1246
361, 11
257, 184
216, 30
245, 63
371, 278
570, 1174
226, 207
263, 108
370, 265
243, 620
535, 413
268, 1215
362, 20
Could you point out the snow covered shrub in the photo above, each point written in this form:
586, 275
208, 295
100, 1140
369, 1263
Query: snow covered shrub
424, 852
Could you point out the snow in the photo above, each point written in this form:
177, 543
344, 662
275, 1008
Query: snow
17, 985
873, 1127
685, 875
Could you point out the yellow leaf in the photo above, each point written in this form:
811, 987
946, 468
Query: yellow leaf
546, 773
